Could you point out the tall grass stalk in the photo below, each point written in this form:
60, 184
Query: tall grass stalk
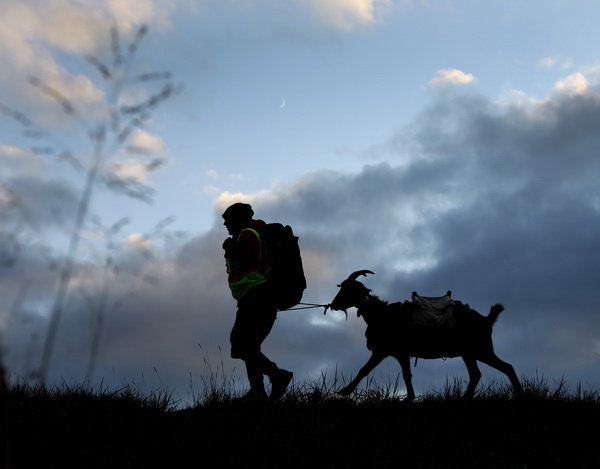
217, 386
67, 269
106, 136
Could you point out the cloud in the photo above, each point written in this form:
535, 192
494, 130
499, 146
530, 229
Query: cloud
138, 240
130, 15
33, 31
73, 26
574, 84
34, 203
349, 14
547, 62
451, 77
16, 161
552, 62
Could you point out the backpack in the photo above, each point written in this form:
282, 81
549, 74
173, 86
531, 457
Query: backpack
283, 255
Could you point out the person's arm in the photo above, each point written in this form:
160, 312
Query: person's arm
245, 251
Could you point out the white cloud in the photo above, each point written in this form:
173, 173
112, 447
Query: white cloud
131, 169
225, 199
547, 62
349, 14
137, 241
551, 62
146, 143
575, 84
451, 77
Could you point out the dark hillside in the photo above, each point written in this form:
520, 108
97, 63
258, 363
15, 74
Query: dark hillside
306, 431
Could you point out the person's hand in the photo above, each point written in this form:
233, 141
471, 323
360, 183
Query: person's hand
228, 244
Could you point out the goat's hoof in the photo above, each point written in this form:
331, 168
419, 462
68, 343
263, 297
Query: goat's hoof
344, 392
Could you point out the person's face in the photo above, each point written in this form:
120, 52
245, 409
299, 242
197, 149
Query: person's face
234, 225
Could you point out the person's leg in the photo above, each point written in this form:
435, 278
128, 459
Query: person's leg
243, 347
254, 321
279, 378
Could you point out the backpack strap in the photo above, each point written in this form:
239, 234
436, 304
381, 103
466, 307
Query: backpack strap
260, 241
263, 262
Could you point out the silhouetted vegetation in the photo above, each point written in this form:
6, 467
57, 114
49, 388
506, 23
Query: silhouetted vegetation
311, 427
130, 99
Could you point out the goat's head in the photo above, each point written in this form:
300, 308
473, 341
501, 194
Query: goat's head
351, 293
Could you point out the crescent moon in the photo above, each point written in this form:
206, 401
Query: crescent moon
282, 104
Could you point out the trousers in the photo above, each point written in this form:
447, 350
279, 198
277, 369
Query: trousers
254, 320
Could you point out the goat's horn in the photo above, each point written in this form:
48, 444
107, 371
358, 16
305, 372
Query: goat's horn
358, 273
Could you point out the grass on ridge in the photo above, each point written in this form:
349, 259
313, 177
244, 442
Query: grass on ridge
311, 426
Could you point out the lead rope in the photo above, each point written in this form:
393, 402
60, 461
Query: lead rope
308, 306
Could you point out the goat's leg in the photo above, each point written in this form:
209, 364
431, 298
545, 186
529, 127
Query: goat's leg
375, 360
505, 368
407, 375
474, 376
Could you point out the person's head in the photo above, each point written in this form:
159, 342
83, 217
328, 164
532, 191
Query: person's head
237, 217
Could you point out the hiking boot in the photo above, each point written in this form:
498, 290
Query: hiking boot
279, 384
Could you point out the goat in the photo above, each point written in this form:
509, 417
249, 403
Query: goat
390, 332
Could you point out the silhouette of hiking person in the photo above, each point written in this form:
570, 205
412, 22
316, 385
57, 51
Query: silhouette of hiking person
256, 312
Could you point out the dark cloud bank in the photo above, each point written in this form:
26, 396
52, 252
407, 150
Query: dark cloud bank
496, 203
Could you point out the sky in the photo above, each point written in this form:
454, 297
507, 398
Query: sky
443, 145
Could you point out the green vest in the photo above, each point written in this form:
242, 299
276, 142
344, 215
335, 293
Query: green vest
243, 279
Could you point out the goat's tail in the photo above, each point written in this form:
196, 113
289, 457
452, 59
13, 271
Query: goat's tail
494, 313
